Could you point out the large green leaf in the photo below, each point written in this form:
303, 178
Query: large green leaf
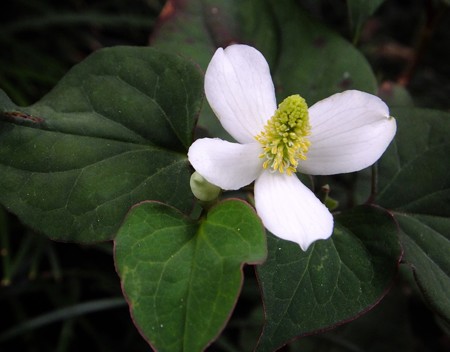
112, 133
415, 184
333, 282
311, 59
182, 278
305, 57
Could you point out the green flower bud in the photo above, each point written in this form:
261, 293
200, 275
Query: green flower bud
202, 189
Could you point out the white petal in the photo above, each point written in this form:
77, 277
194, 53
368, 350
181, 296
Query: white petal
290, 210
349, 131
240, 90
227, 165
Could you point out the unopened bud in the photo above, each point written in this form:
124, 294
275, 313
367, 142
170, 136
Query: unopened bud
202, 189
329, 202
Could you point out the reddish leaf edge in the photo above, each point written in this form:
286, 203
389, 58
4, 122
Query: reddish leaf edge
184, 216
360, 313
427, 299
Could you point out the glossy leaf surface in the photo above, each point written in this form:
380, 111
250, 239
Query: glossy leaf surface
333, 282
415, 184
305, 57
182, 278
112, 133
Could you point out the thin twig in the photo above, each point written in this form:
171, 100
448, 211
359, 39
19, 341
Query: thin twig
433, 18
374, 184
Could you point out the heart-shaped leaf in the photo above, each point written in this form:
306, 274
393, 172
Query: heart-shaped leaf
415, 184
181, 277
333, 282
112, 133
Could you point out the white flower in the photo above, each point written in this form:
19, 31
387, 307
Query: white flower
343, 133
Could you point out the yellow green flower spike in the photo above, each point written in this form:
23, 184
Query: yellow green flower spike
284, 139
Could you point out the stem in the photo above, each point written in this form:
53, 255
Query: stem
36, 258
5, 250
61, 315
374, 184
54, 262
224, 344
21, 254
433, 16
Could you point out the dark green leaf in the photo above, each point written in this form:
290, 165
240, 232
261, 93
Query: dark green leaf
386, 328
333, 282
182, 278
305, 57
311, 59
359, 11
415, 184
112, 133
195, 29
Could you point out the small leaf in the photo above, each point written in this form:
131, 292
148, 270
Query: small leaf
112, 133
181, 278
415, 184
333, 282
359, 11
